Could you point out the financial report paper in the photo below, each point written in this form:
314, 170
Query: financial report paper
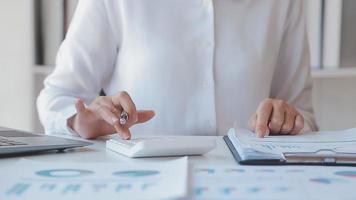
342, 142
231, 182
28, 180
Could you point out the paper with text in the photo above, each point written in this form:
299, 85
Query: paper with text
313, 142
29, 180
225, 182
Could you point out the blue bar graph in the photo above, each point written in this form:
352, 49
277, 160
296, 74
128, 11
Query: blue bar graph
71, 188
205, 171
136, 173
18, 189
123, 187
146, 186
198, 191
48, 187
97, 187
228, 190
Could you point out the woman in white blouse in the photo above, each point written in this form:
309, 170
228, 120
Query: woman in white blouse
190, 66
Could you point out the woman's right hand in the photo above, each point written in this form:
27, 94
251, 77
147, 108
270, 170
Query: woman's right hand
101, 117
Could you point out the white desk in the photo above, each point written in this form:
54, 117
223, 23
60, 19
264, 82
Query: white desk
221, 155
98, 153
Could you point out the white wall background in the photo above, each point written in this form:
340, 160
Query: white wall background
16, 58
335, 102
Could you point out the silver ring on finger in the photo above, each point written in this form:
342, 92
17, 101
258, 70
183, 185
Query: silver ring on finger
124, 117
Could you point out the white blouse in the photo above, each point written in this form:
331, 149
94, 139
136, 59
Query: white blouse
201, 65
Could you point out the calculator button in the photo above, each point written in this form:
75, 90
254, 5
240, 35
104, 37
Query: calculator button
124, 143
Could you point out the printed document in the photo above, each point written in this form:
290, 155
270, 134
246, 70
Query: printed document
230, 182
322, 142
29, 180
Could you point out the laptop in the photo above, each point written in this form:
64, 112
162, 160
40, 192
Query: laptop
16, 142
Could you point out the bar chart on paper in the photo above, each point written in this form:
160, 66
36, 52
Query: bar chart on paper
95, 180
288, 182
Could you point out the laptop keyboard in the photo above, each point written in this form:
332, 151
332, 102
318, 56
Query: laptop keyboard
7, 142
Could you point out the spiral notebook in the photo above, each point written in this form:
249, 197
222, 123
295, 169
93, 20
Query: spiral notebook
314, 148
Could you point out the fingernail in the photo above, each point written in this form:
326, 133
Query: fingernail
260, 133
126, 136
267, 132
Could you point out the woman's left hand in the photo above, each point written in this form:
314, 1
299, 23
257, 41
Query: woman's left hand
275, 116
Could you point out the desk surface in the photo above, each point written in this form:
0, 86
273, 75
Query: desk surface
301, 187
98, 153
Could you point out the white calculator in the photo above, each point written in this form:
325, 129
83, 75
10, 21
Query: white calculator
162, 146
